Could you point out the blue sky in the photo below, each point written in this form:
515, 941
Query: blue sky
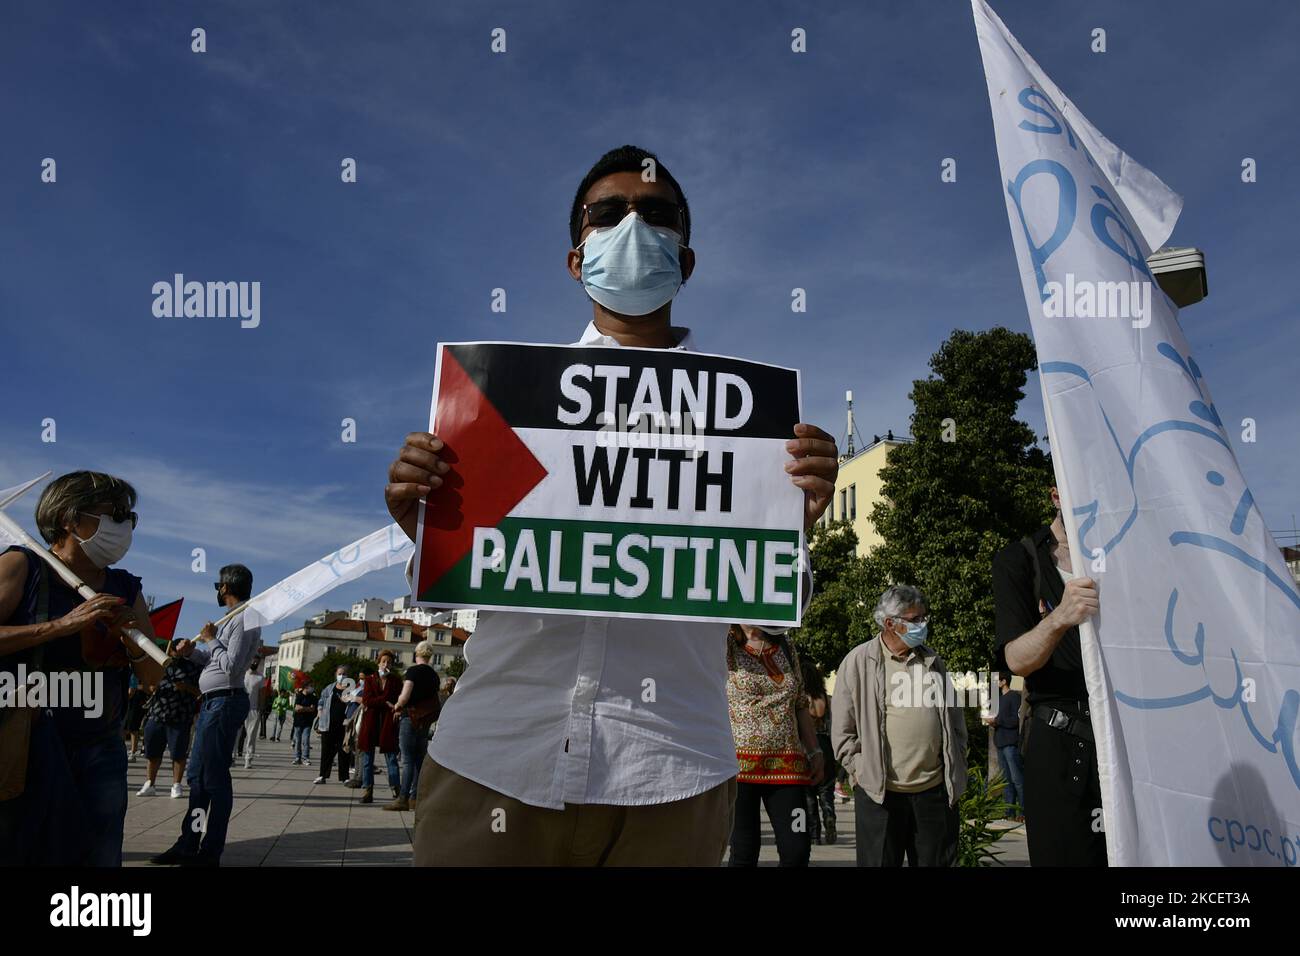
819, 171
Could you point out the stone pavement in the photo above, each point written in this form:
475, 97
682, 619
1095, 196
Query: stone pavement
281, 819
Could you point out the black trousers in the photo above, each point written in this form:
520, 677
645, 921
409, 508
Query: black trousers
921, 826
1062, 799
793, 841
331, 746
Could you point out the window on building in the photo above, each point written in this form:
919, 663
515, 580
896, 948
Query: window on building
437, 660
830, 510
330, 650
374, 653
844, 503
853, 502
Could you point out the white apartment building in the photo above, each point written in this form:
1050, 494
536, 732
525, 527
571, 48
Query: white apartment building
304, 647
371, 609
424, 616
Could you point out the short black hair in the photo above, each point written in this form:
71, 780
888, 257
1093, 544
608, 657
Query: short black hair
238, 581
625, 159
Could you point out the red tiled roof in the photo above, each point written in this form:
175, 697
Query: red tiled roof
375, 630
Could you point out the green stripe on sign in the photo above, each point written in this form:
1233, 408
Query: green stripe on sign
735, 573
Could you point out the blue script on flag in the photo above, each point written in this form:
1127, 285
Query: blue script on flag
1194, 669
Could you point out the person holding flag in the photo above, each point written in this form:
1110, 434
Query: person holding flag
224, 655
1040, 602
549, 725
63, 769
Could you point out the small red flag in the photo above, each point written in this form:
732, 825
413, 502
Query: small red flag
165, 618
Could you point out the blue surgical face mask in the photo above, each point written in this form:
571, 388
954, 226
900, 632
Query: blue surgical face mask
914, 635
631, 269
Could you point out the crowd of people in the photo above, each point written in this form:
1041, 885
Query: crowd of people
385, 711
905, 765
603, 740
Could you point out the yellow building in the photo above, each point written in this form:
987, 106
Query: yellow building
857, 489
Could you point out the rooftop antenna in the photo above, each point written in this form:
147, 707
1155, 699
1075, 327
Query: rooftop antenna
848, 397
849, 448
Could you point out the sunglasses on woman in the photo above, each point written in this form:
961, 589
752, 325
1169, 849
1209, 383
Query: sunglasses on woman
117, 514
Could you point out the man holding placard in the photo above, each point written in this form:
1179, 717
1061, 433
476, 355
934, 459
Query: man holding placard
612, 506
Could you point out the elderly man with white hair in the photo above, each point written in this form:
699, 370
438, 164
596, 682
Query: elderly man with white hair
902, 738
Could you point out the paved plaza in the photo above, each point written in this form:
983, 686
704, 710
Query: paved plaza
282, 819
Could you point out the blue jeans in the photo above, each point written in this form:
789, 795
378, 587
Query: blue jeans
302, 743
212, 795
73, 809
1013, 771
413, 744
368, 769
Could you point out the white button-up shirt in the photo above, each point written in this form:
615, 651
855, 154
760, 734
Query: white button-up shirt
555, 709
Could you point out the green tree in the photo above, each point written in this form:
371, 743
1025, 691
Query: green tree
972, 480
323, 672
824, 637
455, 668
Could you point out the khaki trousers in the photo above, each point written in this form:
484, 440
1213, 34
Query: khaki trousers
463, 823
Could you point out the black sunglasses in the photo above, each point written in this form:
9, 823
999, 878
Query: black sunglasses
118, 514
656, 212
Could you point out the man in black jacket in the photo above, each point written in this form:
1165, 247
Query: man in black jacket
1041, 600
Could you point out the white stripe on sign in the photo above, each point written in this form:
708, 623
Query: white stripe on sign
720, 481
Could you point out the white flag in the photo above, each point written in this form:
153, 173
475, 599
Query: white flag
378, 550
1193, 663
9, 495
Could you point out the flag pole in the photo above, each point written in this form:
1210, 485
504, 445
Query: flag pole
224, 618
1094, 670
15, 531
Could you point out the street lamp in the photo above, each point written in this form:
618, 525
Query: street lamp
1180, 272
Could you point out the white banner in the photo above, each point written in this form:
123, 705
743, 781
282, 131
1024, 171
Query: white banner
9, 495
378, 550
1193, 663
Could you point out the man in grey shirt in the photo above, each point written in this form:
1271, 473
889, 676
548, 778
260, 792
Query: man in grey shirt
224, 655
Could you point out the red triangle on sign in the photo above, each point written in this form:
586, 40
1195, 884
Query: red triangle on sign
491, 472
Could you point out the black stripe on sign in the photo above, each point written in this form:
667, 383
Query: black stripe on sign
523, 382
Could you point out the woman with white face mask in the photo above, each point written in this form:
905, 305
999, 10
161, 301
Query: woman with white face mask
67, 798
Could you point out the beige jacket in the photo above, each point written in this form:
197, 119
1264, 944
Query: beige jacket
858, 721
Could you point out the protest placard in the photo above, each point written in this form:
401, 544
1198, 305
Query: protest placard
619, 482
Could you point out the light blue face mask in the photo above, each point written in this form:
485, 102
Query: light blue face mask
631, 269
914, 635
